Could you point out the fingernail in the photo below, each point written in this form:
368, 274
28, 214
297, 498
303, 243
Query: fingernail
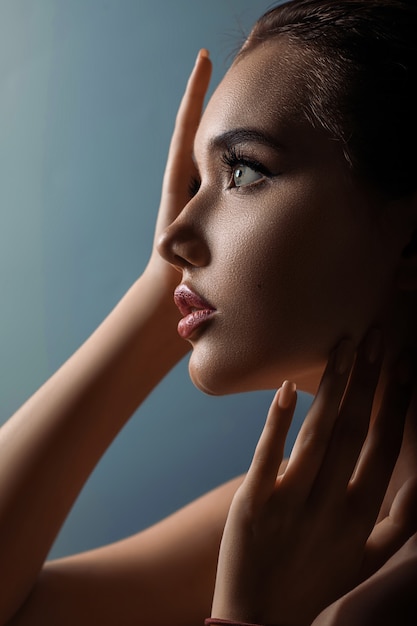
202, 54
286, 394
373, 345
344, 356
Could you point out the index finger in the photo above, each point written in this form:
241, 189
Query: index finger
186, 123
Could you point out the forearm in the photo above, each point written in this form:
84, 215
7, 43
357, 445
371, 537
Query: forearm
50, 446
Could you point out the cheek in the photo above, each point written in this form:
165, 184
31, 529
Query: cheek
231, 354
289, 285
340, 277
306, 274
249, 265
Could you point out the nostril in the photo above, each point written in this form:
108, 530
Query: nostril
170, 248
182, 246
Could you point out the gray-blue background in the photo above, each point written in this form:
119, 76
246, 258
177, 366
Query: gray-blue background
88, 95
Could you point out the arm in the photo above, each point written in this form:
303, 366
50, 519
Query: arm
296, 542
161, 576
51, 445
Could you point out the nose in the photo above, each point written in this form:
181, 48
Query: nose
183, 243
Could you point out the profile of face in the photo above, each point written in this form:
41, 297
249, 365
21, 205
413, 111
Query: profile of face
280, 238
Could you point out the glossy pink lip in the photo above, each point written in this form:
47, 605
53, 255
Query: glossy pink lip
195, 310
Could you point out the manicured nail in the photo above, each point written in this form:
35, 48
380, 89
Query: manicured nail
202, 54
373, 345
343, 358
286, 394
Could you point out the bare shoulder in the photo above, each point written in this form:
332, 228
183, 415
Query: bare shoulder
388, 598
162, 575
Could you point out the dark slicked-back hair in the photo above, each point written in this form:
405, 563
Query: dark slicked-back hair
359, 67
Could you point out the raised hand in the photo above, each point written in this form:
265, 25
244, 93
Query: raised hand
180, 168
296, 541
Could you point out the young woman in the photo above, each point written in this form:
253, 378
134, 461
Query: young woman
297, 248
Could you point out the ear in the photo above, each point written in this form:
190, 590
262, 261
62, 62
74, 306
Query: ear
407, 270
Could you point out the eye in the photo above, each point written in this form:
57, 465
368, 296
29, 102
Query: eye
243, 175
242, 169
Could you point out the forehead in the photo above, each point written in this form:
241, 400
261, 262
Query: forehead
263, 89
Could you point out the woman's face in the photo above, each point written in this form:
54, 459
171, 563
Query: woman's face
278, 239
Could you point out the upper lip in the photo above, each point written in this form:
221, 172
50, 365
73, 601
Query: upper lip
188, 301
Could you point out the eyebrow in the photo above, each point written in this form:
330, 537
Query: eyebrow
245, 135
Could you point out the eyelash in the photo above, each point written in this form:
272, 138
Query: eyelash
194, 186
231, 159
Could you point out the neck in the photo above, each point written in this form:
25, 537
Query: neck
400, 336
406, 466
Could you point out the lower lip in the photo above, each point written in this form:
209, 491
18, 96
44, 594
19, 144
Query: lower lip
189, 324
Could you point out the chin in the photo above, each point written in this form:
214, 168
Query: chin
208, 382
216, 375
207, 373
223, 380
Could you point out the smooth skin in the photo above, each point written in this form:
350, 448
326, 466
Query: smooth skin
164, 575
274, 212
295, 252
82, 408
297, 540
